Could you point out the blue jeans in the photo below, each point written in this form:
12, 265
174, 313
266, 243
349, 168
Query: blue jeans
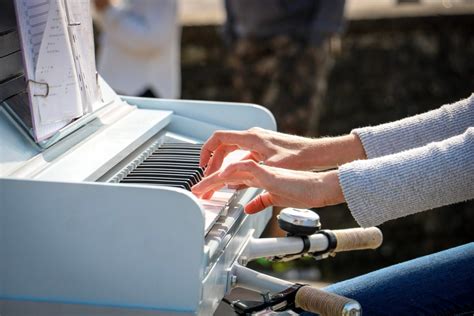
437, 284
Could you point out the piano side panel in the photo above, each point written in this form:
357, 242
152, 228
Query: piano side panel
100, 245
22, 308
238, 116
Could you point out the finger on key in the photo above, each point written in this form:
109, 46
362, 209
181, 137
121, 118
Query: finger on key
260, 203
218, 157
238, 138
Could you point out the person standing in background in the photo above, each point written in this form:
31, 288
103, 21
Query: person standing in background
282, 52
139, 50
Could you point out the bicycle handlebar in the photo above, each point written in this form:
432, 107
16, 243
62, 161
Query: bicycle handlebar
324, 303
358, 239
329, 304
343, 240
325, 242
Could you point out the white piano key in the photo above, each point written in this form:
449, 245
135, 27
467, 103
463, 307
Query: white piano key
223, 195
211, 214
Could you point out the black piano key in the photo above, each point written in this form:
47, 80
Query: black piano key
188, 154
176, 149
190, 182
181, 145
167, 165
192, 162
171, 183
172, 164
176, 156
194, 177
158, 170
181, 154
188, 149
192, 174
156, 177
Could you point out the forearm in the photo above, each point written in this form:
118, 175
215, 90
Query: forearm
385, 188
331, 152
418, 130
389, 138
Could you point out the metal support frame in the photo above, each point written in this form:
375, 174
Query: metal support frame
270, 247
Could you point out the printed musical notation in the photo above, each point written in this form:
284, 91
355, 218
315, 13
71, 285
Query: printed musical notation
81, 31
55, 66
58, 48
36, 15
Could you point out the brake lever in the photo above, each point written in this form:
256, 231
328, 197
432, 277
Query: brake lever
279, 302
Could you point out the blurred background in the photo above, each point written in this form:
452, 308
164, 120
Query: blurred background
384, 61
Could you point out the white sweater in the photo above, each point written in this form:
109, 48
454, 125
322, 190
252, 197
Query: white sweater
414, 164
140, 47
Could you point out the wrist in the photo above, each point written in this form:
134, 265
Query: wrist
331, 188
352, 148
331, 152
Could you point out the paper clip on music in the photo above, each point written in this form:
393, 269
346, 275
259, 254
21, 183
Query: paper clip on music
39, 89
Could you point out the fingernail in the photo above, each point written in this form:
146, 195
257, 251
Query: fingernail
208, 195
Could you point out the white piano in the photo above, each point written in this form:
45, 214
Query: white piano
99, 219
76, 238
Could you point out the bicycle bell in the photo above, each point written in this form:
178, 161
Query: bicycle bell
299, 222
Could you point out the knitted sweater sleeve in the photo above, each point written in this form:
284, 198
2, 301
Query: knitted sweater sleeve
393, 186
418, 130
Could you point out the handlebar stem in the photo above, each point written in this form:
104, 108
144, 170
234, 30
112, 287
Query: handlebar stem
272, 247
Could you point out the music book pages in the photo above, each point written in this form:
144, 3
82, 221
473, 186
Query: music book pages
58, 51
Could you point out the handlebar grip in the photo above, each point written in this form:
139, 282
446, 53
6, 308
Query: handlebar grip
358, 238
326, 304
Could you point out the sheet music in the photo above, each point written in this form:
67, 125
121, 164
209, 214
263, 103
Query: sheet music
81, 31
55, 66
32, 17
57, 41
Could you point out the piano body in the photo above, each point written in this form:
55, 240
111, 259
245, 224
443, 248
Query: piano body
98, 220
74, 238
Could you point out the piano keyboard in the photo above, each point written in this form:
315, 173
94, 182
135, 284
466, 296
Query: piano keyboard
171, 164
176, 165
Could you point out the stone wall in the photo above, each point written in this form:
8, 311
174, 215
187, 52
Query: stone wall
388, 69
